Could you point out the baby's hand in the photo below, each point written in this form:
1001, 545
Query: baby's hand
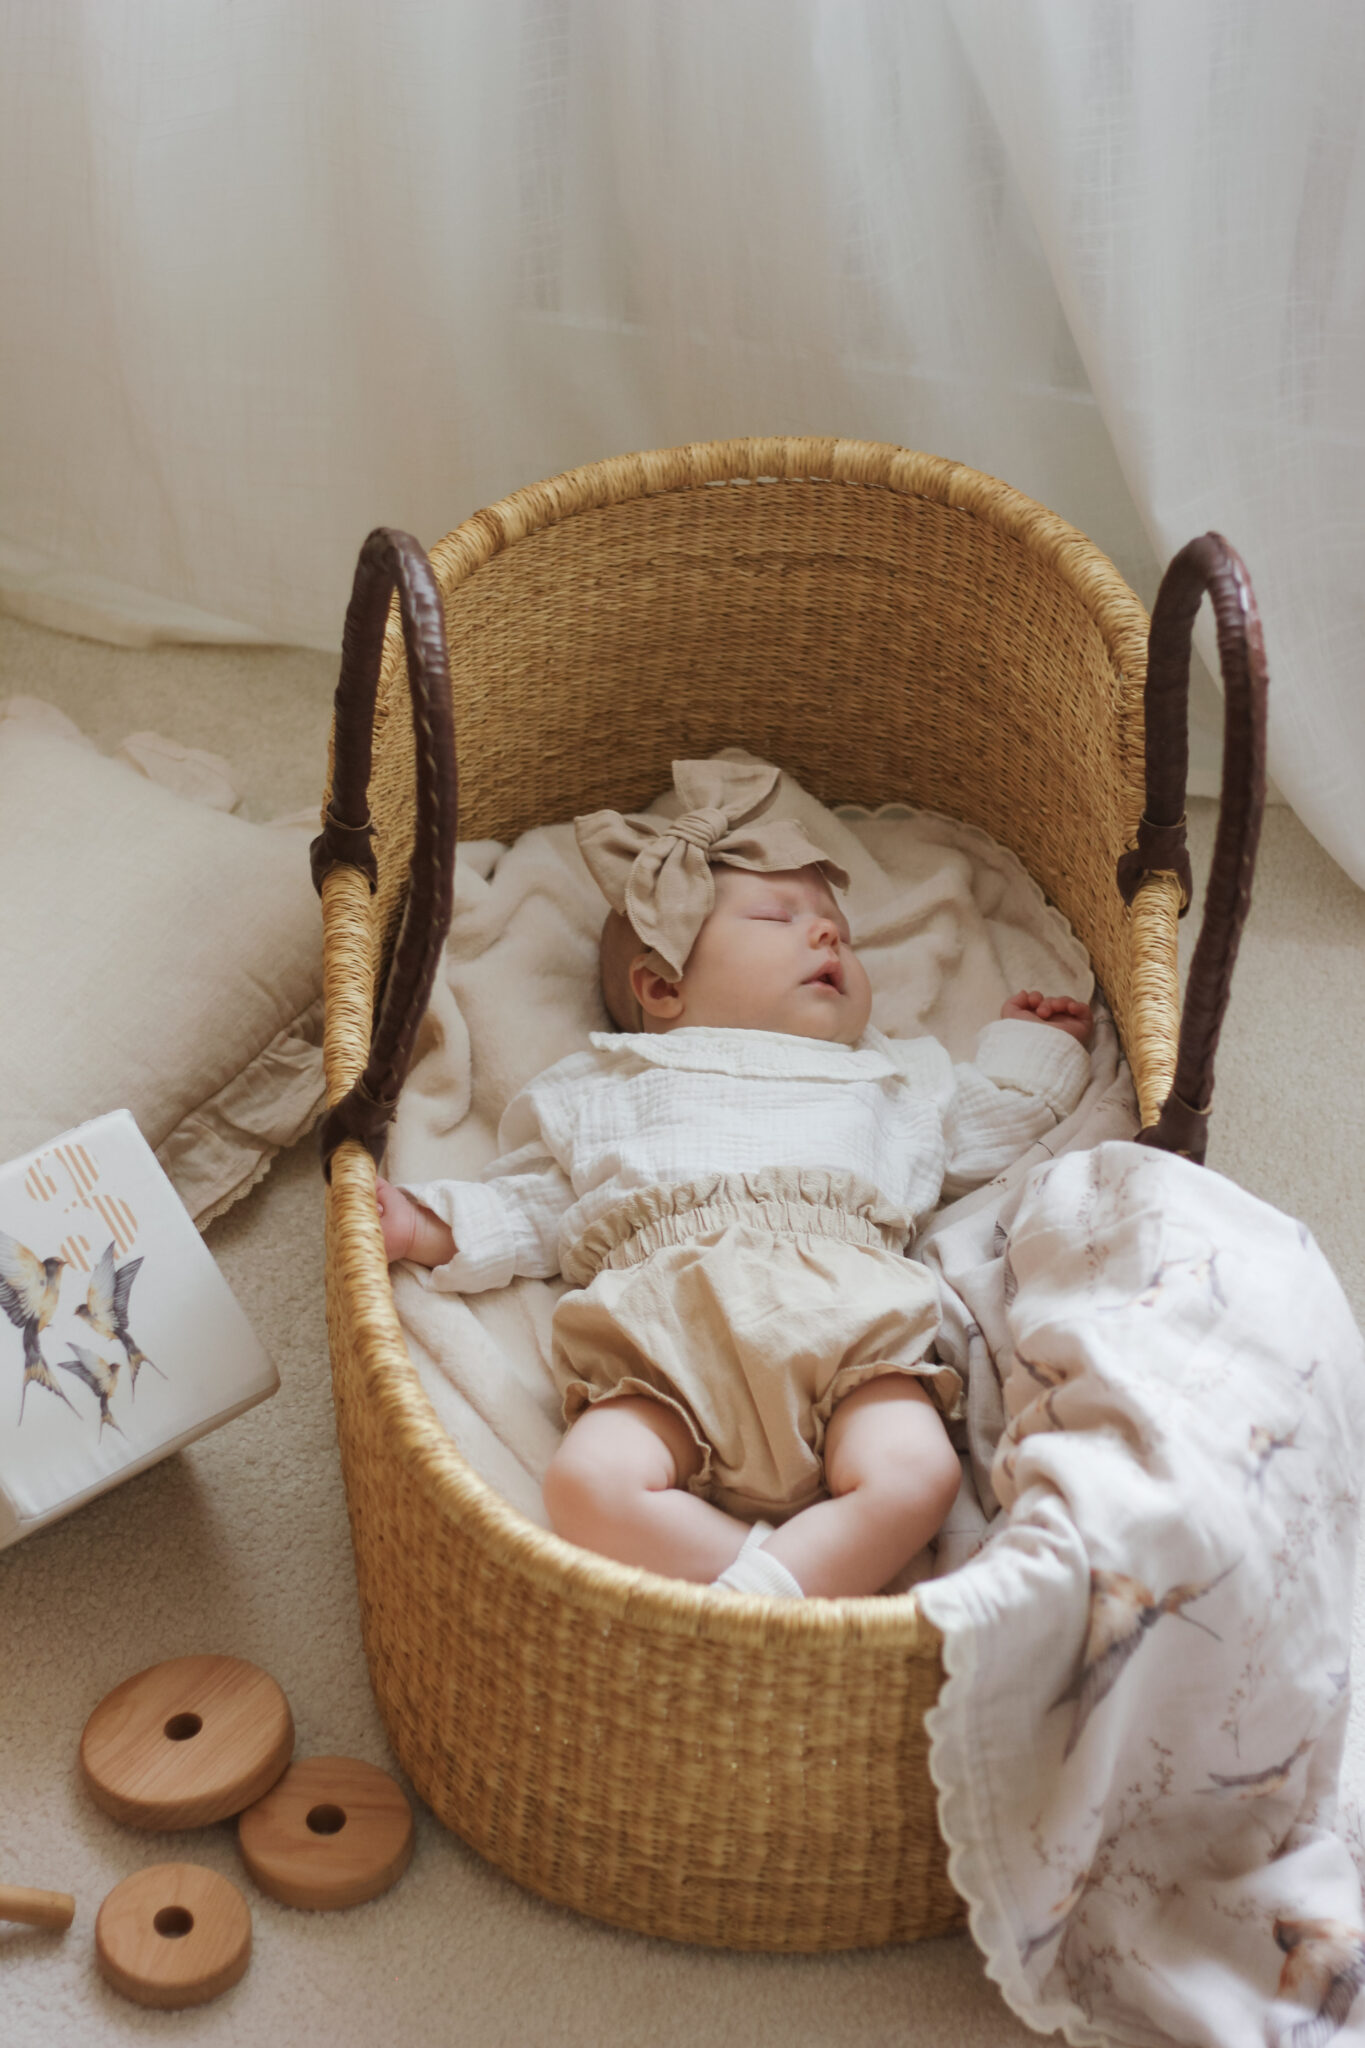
1064, 1013
410, 1231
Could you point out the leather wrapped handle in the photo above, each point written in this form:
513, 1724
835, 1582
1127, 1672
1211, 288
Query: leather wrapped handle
392, 560
1205, 565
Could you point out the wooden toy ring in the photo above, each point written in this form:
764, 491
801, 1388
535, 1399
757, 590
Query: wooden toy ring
333, 1832
174, 1935
187, 1743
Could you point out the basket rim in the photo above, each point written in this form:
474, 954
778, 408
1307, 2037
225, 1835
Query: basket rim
388, 1376
1118, 612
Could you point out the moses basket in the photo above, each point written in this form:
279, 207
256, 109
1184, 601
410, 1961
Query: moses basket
886, 626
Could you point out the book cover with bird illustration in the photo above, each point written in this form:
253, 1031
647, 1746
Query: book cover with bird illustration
120, 1340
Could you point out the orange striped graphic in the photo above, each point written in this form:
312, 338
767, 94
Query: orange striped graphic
120, 1219
76, 1252
38, 1183
82, 1168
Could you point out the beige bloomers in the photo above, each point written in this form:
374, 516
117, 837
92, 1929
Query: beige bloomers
751, 1304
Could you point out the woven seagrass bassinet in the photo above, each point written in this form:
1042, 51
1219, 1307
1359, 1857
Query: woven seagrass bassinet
885, 625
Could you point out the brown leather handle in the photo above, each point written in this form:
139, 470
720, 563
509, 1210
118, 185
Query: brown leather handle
1207, 564
391, 560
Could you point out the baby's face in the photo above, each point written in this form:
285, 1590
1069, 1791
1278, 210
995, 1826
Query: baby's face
774, 955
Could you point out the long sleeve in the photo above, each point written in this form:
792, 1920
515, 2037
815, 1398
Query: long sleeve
505, 1224
1025, 1079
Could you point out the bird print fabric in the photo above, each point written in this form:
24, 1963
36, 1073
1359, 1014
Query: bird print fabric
1138, 1743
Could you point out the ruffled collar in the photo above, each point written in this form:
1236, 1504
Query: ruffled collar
759, 1055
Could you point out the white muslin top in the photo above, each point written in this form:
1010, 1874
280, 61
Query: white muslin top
648, 1110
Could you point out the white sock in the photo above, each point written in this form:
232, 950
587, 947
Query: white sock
755, 1570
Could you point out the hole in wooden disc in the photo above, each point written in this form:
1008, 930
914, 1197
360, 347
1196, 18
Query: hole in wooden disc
173, 1921
180, 1727
326, 1820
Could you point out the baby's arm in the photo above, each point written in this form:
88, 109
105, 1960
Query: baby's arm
410, 1231
1064, 1013
1019, 1087
477, 1234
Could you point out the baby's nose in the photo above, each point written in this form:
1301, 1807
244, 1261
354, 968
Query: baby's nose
823, 930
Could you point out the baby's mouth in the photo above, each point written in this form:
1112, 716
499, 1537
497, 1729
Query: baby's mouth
828, 975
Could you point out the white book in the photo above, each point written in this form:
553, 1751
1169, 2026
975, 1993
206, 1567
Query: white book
120, 1340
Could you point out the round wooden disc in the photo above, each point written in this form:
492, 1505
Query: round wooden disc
334, 1831
174, 1935
187, 1743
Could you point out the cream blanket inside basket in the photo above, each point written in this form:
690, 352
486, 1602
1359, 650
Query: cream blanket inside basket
948, 924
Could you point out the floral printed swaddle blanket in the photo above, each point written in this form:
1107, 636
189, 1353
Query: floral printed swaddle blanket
1138, 1744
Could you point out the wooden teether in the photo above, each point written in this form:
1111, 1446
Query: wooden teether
187, 1743
174, 1935
333, 1832
36, 1909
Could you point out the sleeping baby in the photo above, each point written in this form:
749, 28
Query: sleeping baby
731, 1182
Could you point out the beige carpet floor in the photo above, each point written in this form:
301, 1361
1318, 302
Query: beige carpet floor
240, 1544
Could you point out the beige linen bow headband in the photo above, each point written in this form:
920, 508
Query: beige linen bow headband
657, 871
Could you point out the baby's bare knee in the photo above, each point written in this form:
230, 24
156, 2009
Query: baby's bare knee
939, 1472
577, 1490
889, 1438
610, 1457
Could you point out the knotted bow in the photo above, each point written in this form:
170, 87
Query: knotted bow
657, 871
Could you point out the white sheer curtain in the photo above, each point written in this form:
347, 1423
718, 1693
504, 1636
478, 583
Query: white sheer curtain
274, 275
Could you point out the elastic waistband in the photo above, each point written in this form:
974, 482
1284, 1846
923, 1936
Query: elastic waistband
786, 1201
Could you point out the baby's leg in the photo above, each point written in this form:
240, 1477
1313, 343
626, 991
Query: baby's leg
616, 1485
892, 1476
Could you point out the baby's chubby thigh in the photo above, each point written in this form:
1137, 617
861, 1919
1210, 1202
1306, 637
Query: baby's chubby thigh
618, 1447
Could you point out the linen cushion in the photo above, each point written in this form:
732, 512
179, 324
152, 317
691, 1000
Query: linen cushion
157, 955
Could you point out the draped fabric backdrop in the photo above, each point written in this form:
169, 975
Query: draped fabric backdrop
273, 275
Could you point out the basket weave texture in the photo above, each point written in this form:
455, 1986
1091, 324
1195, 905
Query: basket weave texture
886, 626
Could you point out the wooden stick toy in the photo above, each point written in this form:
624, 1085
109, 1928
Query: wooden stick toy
54, 1910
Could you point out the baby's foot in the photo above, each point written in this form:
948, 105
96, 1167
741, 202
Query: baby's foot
410, 1231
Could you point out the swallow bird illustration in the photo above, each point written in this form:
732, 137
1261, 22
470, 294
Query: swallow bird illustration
1205, 1270
1263, 1445
1062, 1913
99, 1374
1251, 1784
105, 1308
1122, 1613
1324, 1968
29, 1287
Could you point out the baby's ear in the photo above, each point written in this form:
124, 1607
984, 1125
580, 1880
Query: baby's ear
657, 996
